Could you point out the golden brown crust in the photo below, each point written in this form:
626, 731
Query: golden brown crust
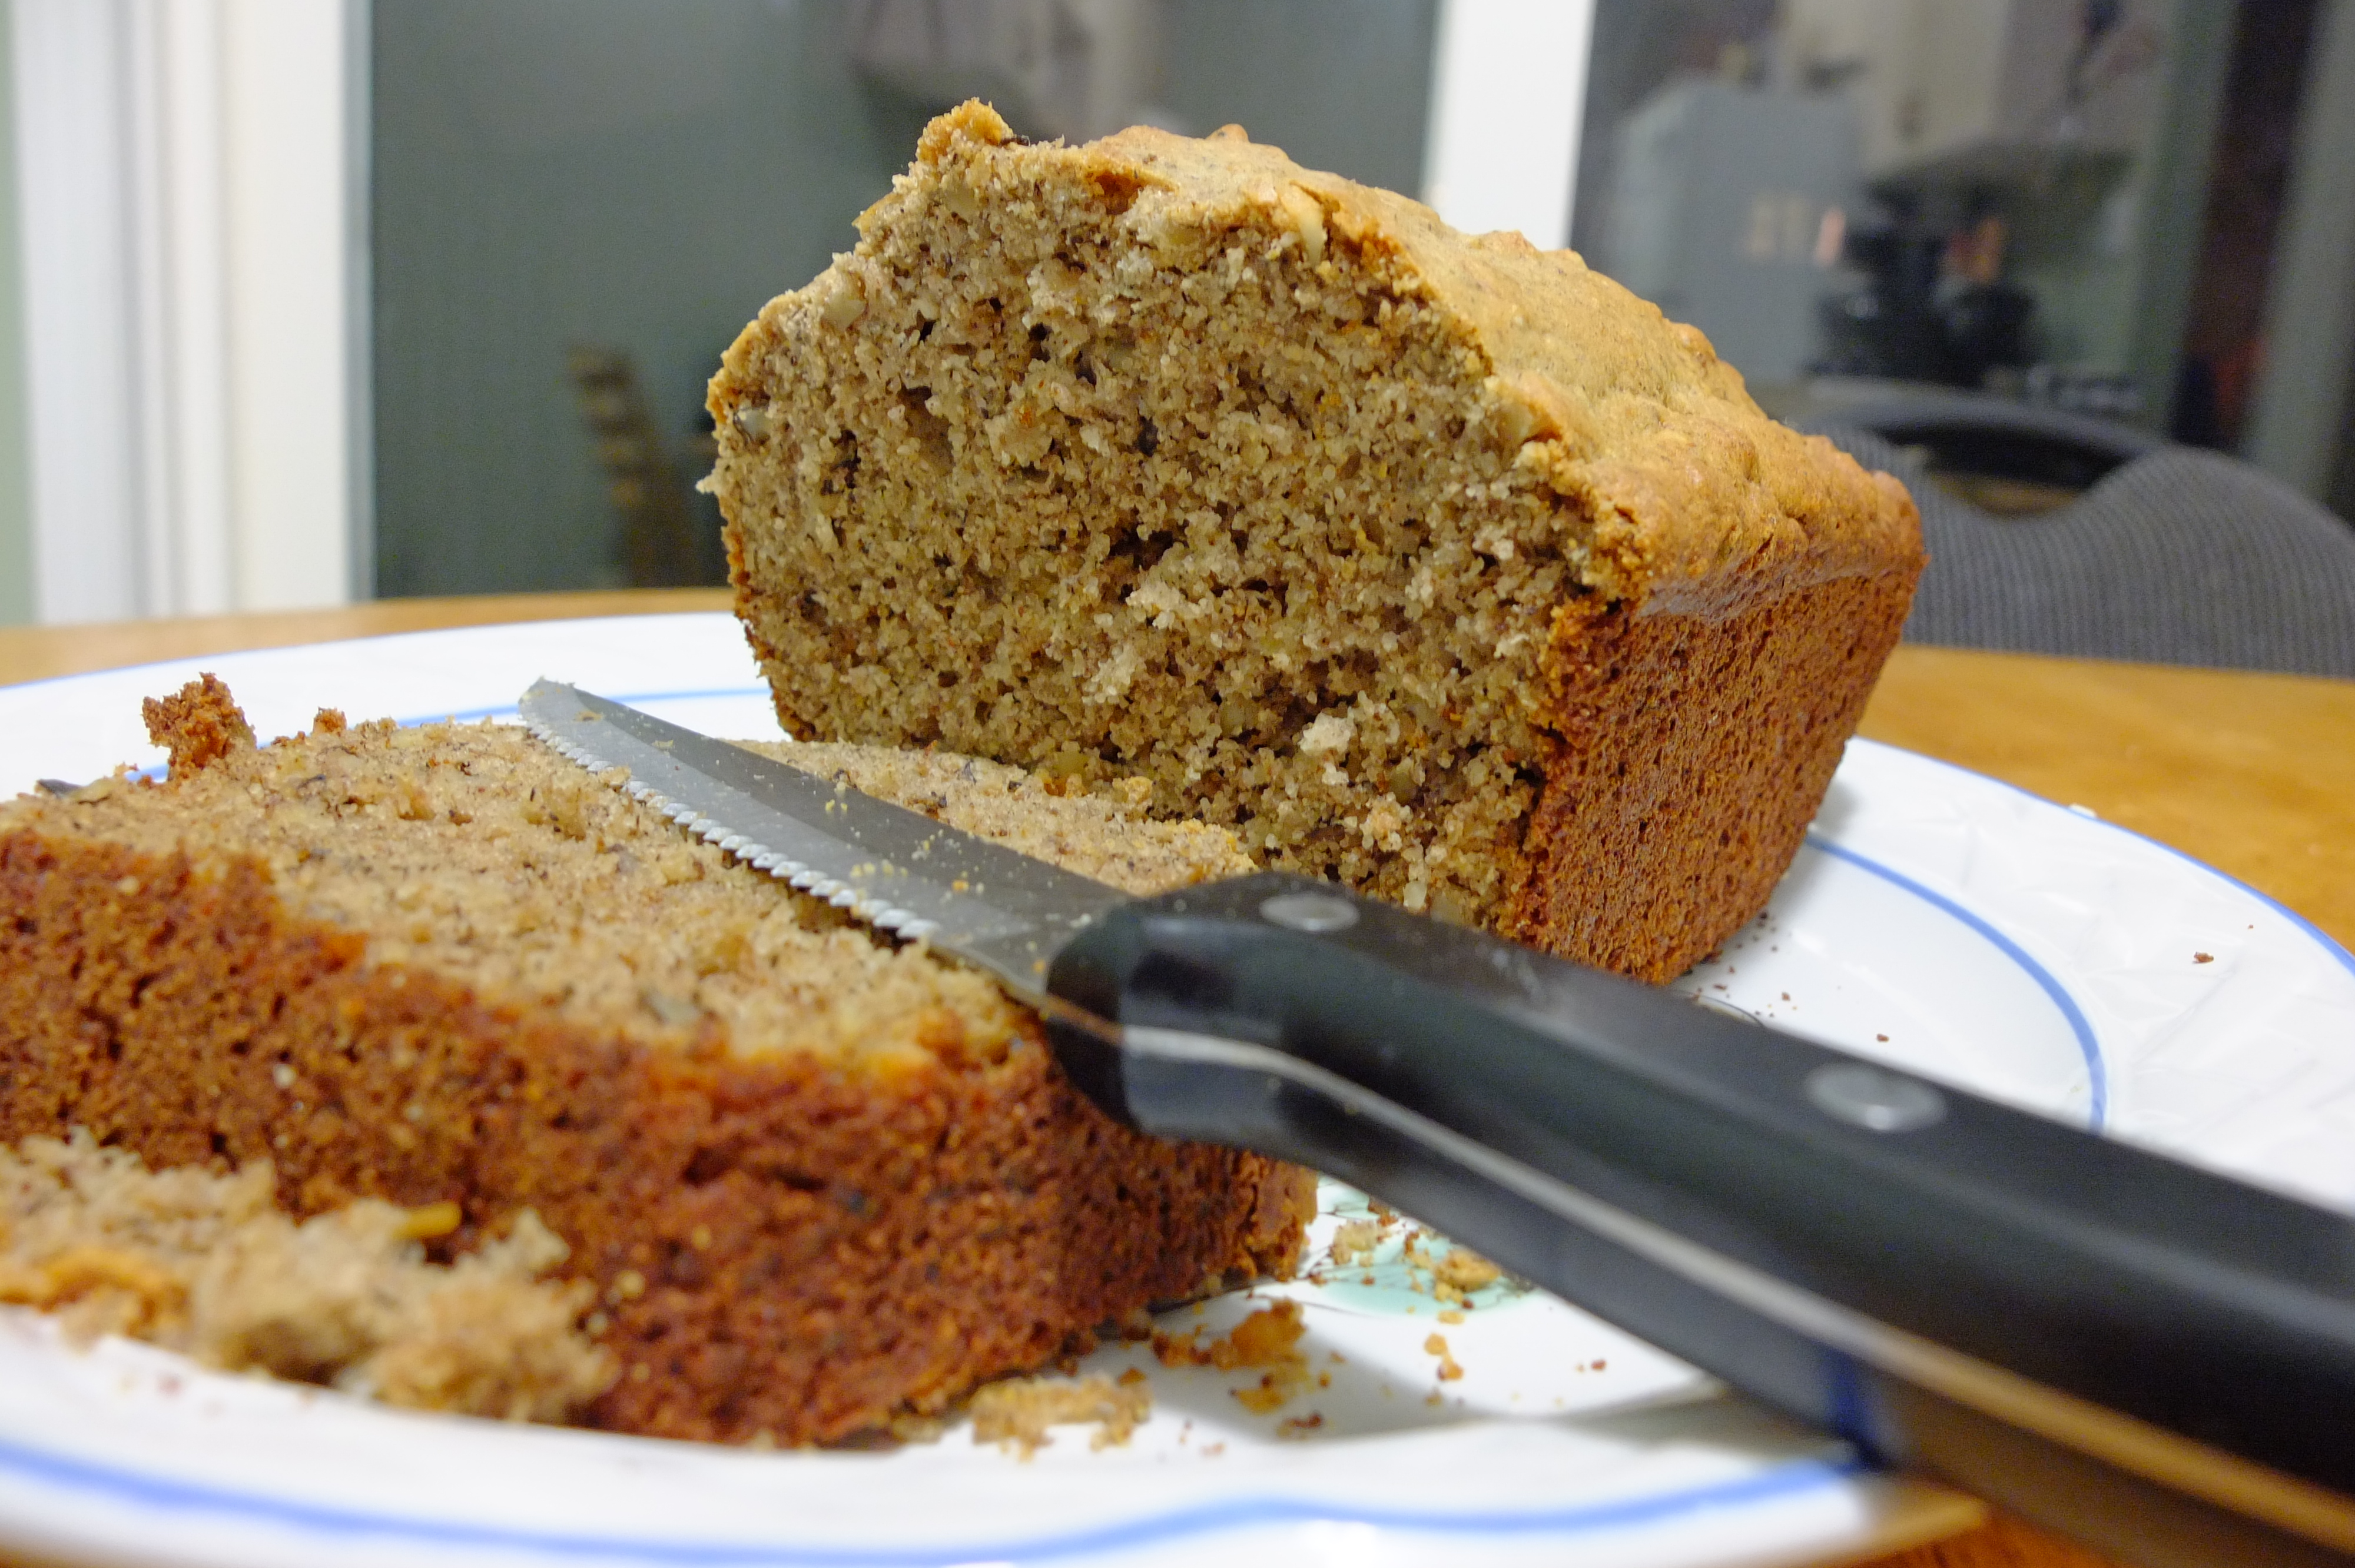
1702, 504
782, 1245
1694, 753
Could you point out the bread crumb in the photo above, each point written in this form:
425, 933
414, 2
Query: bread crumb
1465, 1269
199, 724
207, 1265
1265, 1338
1354, 1242
1269, 1338
1436, 1345
908, 1428
1016, 1413
1454, 1274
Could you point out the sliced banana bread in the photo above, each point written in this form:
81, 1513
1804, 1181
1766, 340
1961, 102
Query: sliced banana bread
1429, 561
814, 1180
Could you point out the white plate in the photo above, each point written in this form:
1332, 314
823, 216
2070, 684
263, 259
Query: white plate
1937, 919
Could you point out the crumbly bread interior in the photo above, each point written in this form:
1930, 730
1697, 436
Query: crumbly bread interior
1170, 458
205, 1264
1210, 508
472, 851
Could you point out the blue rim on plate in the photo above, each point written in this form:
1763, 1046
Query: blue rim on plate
2321, 939
1780, 1483
2096, 1070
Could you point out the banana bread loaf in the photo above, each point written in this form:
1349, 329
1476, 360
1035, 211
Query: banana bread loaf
1432, 562
814, 1179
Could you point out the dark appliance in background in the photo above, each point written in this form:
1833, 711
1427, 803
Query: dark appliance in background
1915, 192
1933, 305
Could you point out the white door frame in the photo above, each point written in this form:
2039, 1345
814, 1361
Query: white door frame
1507, 100
193, 204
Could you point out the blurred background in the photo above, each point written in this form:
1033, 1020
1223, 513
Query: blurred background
309, 301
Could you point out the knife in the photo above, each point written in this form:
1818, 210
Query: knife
2153, 1357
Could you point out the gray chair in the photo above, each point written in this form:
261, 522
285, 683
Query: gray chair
2170, 555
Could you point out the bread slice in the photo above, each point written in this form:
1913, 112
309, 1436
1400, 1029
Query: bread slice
1432, 562
814, 1180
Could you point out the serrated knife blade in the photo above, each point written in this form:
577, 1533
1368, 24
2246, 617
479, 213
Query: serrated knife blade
2153, 1357
898, 870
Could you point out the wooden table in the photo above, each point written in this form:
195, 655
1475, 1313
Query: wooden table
2253, 774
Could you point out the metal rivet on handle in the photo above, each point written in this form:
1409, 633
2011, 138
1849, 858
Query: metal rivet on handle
1314, 913
1873, 1099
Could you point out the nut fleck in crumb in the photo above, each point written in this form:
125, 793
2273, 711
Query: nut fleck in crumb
2203, 958
1298, 1427
207, 1265
1436, 1345
1016, 1413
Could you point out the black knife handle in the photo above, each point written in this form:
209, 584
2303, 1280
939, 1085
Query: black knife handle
1752, 1201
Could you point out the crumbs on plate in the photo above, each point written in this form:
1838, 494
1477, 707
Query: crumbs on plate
1016, 1413
1268, 1338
